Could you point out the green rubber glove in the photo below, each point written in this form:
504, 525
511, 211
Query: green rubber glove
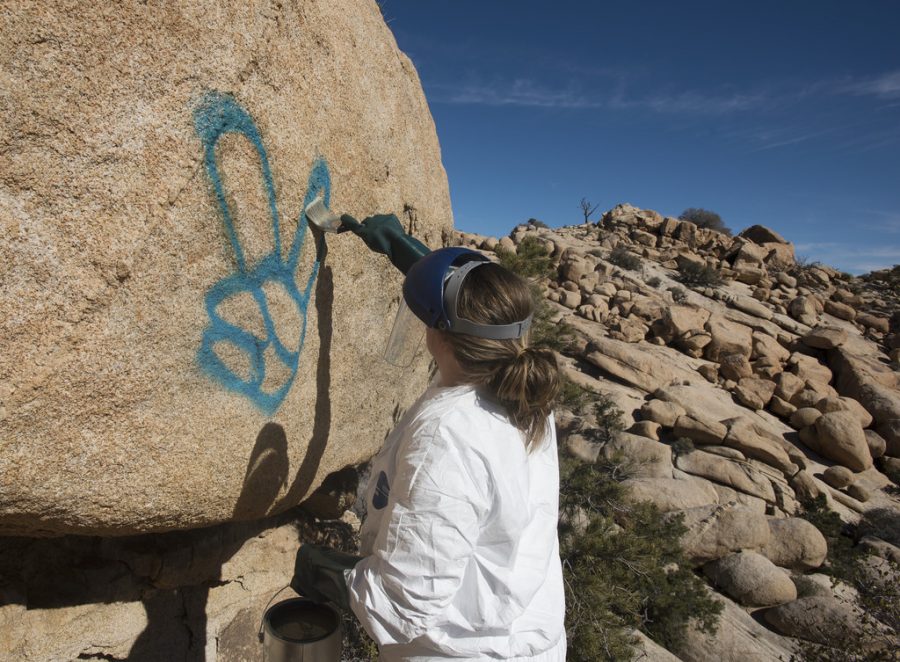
319, 574
384, 234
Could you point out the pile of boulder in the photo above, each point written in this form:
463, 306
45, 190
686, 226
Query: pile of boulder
745, 398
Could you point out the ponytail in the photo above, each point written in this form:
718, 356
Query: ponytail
524, 379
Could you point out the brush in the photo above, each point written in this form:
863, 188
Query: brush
321, 216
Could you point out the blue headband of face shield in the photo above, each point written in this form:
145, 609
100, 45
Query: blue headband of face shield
431, 291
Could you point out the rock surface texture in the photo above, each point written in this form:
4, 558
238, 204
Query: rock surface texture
177, 351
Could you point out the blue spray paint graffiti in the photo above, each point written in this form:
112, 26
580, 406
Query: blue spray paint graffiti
217, 115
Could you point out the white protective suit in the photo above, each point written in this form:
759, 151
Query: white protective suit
460, 543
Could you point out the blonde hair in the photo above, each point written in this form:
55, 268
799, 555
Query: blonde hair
524, 379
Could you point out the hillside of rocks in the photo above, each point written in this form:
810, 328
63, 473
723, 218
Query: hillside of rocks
748, 392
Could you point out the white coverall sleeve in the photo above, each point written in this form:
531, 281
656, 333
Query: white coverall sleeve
438, 501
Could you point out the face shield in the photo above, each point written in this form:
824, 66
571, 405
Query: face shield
406, 337
430, 293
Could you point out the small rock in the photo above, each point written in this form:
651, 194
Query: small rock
787, 385
824, 337
804, 486
804, 417
828, 404
754, 393
865, 418
876, 443
879, 324
700, 432
859, 492
840, 310
803, 310
781, 408
649, 429
838, 477
735, 367
662, 412
709, 371
786, 280
808, 368
582, 448
806, 398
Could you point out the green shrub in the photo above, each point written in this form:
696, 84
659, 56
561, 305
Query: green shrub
545, 332
622, 257
571, 395
682, 446
879, 597
531, 259
694, 275
610, 419
654, 282
703, 218
679, 294
625, 569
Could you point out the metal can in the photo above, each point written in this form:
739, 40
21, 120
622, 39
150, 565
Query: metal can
299, 630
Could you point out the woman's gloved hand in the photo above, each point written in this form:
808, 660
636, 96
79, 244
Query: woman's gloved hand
384, 234
319, 574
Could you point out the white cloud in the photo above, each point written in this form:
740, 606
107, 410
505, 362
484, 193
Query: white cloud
521, 92
856, 260
528, 93
884, 86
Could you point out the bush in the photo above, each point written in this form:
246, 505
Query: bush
703, 218
694, 275
679, 294
682, 446
624, 567
879, 598
610, 419
537, 223
625, 570
571, 395
656, 281
531, 259
622, 257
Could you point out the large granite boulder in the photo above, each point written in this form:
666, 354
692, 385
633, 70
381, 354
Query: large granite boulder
840, 437
714, 531
795, 543
751, 579
177, 352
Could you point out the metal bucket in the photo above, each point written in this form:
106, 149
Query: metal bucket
298, 630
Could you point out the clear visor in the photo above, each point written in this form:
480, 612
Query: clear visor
406, 336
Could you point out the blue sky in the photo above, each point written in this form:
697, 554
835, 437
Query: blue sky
781, 113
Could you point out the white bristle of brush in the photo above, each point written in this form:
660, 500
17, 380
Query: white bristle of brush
321, 216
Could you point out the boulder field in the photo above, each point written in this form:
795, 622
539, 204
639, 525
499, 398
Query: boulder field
772, 383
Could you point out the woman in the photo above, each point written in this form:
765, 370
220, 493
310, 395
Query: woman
461, 558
